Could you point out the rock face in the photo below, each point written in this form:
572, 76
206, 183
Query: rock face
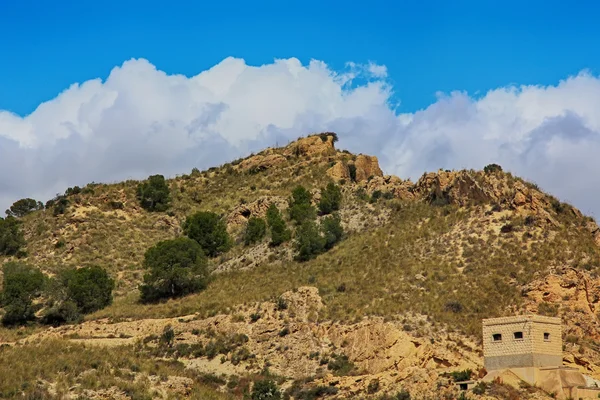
311, 146
392, 184
261, 162
366, 166
257, 208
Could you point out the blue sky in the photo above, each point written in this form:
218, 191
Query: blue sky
510, 74
427, 46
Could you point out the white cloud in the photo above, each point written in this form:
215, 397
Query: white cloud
141, 121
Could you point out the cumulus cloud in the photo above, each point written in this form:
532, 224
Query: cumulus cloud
140, 121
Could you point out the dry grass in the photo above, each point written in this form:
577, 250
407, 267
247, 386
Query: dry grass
407, 265
55, 368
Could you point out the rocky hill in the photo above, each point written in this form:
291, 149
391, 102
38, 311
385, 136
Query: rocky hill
394, 308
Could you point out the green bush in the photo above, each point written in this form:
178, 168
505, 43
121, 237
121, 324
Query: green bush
460, 376
209, 230
90, 288
332, 230
300, 207
492, 168
352, 172
279, 231
154, 193
256, 229
59, 205
11, 237
175, 268
265, 390
22, 207
308, 243
340, 365
331, 197
61, 313
21, 284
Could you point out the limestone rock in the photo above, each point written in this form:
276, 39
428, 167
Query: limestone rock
257, 208
262, 162
366, 166
339, 171
311, 146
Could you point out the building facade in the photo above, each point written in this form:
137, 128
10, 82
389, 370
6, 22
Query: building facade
522, 341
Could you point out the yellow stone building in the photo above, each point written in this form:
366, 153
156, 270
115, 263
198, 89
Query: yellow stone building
529, 348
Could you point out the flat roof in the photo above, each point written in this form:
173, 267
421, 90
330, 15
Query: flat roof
522, 318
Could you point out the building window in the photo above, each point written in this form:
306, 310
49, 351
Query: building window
547, 336
518, 335
496, 337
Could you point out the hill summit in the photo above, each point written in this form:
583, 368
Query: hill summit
316, 273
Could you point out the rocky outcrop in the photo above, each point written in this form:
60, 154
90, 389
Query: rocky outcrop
311, 146
401, 189
257, 208
366, 167
261, 162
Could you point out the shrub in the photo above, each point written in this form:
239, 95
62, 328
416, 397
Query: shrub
279, 231
373, 386
492, 168
331, 198
175, 268
375, 196
22, 207
402, 395
332, 230
352, 172
209, 230
154, 193
90, 288
340, 365
309, 242
300, 207
460, 376
62, 312
21, 284
265, 390
11, 237
59, 205
256, 229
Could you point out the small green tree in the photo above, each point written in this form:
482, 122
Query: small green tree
300, 207
492, 168
90, 288
11, 237
175, 268
331, 197
21, 208
332, 230
256, 229
265, 390
279, 231
309, 243
154, 193
209, 230
21, 284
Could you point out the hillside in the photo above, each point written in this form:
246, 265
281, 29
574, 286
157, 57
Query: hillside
394, 306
